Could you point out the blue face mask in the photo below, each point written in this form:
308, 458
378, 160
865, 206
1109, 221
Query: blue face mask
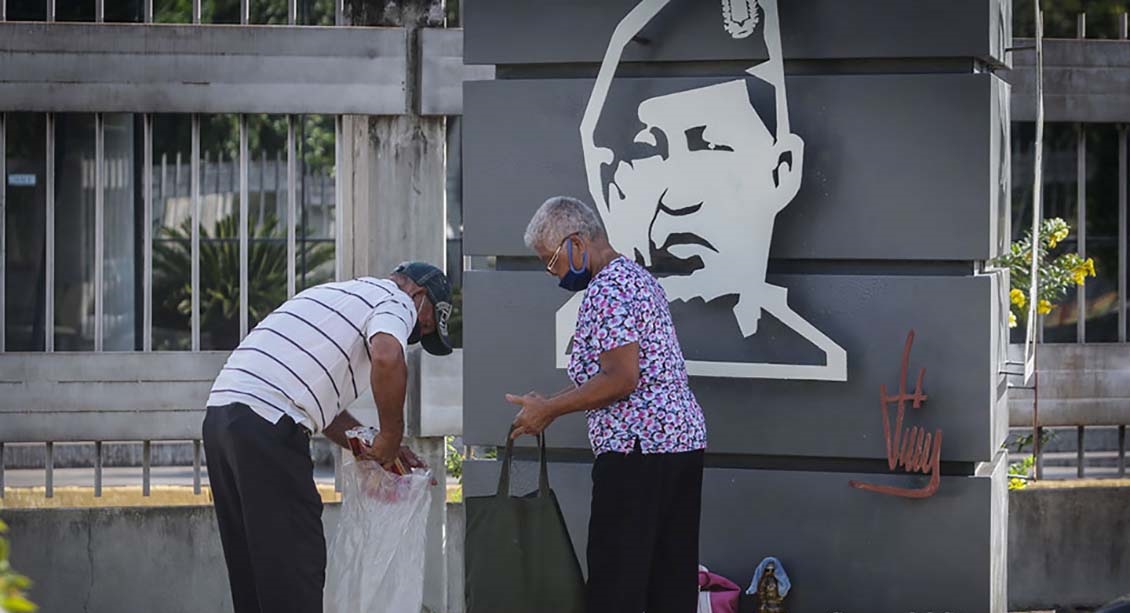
576, 280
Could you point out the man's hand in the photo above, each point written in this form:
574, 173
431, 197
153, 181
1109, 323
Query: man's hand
534, 417
407, 458
385, 449
410, 459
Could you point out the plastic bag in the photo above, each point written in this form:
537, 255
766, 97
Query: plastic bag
376, 558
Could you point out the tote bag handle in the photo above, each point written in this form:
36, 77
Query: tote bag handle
505, 470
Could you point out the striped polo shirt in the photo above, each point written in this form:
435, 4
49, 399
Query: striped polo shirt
309, 358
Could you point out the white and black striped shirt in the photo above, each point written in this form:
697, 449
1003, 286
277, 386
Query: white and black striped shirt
309, 359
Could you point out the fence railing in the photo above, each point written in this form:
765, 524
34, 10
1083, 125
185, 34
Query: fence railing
1077, 386
97, 398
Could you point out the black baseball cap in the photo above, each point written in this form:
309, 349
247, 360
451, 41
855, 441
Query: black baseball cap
439, 291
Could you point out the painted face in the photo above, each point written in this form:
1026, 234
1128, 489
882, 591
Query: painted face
694, 194
704, 166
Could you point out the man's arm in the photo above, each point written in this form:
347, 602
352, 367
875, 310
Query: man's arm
388, 380
336, 429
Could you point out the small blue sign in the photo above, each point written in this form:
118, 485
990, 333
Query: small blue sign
22, 180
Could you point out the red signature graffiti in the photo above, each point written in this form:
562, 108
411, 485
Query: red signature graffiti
911, 449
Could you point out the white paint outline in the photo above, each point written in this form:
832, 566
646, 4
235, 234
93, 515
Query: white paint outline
770, 298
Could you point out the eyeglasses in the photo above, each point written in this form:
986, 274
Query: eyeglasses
554, 258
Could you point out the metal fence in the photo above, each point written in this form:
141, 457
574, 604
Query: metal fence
1079, 386
60, 398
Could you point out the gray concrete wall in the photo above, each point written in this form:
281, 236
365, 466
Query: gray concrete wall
835, 541
1067, 547
125, 560
903, 195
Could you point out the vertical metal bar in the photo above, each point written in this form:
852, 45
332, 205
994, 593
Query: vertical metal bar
339, 219
147, 11
337, 468
1122, 470
196, 466
292, 12
262, 189
99, 228
49, 242
244, 243
1036, 426
1081, 221
3, 17
344, 196
146, 451
3, 226
50, 10
1079, 452
339, 12
147, 230
49, 490
245, 12
292, 204
280, 203
1081, 203
1, 469
1038, 190
196, 11
195, 248
1122, 283
99, 11
97, 469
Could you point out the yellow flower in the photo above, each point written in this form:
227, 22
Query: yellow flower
1044, 307
1012, 320
1085, 269
1017, 297
1058, 236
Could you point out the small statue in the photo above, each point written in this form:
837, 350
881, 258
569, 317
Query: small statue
769, 599
770, 586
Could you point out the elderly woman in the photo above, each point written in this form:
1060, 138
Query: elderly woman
645, 426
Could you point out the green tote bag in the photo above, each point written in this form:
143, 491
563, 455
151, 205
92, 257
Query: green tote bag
519, 558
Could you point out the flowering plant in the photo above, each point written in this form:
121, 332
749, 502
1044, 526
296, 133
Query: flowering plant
1054, 274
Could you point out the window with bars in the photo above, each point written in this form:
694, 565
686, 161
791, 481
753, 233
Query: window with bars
1085, 183
258, 12
126, 232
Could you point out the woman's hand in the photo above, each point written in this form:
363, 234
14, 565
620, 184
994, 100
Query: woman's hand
534, 417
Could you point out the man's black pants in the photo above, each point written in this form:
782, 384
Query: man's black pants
644, 533
268, 510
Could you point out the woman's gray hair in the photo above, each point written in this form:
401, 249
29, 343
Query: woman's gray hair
560, 217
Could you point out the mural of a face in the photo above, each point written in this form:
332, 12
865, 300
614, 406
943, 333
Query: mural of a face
711, 176
695, 192
703, 180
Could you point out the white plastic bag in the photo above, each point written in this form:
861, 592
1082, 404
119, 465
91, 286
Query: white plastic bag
376, 558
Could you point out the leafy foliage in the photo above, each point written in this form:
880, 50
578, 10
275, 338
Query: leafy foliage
220, 275
13, 586
1019, 473
1055, 274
